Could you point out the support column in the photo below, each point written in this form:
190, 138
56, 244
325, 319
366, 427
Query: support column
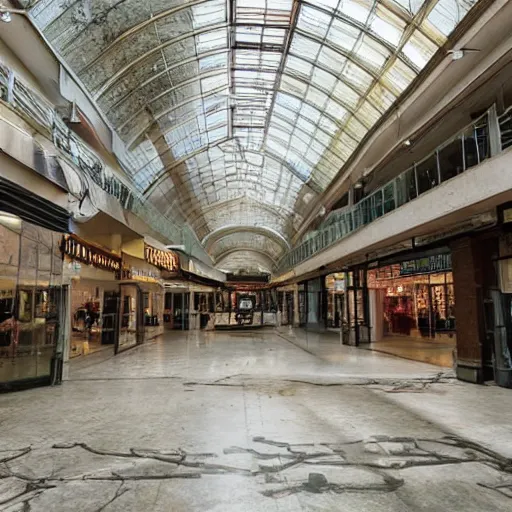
469, 322
192, 321
295, 321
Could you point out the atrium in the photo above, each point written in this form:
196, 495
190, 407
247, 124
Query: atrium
282, 208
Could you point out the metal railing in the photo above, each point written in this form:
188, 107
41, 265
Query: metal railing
484, 137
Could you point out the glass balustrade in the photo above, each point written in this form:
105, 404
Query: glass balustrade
468, 148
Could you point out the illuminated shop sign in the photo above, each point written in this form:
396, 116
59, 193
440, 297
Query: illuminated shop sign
141, 274
163, 259
437, 263
79, 250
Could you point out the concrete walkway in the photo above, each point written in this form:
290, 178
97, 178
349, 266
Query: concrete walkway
249, 421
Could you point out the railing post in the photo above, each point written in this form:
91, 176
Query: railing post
416, 180
438, 168
494, 130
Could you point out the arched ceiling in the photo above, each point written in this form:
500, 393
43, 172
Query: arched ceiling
240, 112
248, 261
246, 241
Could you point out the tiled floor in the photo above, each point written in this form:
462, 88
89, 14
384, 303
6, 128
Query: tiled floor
249, 421
431, 352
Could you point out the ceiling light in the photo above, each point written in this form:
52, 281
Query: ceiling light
358, 185
5, 16
407, 143
457, 54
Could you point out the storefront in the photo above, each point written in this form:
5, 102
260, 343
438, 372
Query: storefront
141, 303
188, 306
286, 304
414, 299
94, 295
177, 306
33, 295
336, 311
313, 304
246, 305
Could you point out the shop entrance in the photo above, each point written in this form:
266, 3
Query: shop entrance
285, 306
335, 285
181, 311
412, 305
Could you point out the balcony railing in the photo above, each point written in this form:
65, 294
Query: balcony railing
489, 134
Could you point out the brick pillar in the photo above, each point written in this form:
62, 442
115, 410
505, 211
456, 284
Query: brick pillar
467, 279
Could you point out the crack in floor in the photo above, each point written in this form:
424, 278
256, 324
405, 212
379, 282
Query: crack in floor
411, 385
378, 456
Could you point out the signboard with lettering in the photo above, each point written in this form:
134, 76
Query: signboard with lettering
135, 269
79, 250
430, 264
166, 260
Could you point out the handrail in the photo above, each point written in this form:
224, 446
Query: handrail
469, 147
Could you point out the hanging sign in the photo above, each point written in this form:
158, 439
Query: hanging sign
166, 260
430, 264
79, 250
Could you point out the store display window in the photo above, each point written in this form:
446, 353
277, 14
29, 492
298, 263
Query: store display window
30, 299
419, 305
129, 317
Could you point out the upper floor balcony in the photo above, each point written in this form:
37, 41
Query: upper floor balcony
486, 137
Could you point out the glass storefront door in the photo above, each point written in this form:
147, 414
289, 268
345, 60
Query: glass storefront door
130, 323
31, 298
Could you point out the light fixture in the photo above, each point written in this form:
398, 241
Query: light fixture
407, 143
457, 54
358, 185
74, 118
5, 16
321, 213
399, 288
460, 53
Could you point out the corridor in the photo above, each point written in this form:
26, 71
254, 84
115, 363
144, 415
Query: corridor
255, 421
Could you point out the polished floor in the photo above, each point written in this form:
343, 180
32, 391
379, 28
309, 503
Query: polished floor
432, 352
255, 421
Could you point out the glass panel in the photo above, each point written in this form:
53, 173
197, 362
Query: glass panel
30, 298
377, 205
389, 197
129, 320
471, 156
427, 174
482, 139
406, 187
451, 159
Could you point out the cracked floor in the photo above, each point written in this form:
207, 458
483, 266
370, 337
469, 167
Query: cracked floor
255, 421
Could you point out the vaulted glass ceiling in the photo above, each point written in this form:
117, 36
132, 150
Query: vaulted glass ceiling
241, 112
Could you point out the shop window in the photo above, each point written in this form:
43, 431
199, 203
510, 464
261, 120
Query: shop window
6, 317
24, 306
505, 271
426, 172
451, 159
